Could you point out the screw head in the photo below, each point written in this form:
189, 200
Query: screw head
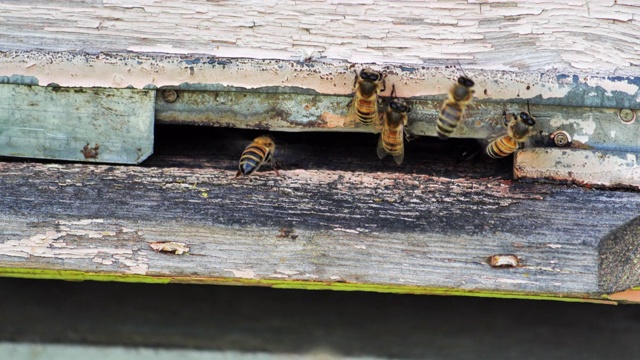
170, 95
627, 116
560, 138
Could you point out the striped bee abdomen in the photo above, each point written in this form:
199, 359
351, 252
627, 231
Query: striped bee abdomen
501, 147
448, 119
393, 141
366, 109
252, 158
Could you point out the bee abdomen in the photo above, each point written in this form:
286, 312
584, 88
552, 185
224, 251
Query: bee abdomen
366, 110
448, 119
501, 147
252, 158
393, 142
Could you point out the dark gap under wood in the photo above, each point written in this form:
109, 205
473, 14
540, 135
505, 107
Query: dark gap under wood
209, 147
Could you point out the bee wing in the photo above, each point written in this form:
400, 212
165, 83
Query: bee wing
400, 156
352, 115
380, 149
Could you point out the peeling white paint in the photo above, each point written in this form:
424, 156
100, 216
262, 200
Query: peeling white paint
351, 231
586, 126
515, 281
80, 222
287, 272
610, 86
586, 35
582, 138
362, 247
51, 244
554, 246
242, 273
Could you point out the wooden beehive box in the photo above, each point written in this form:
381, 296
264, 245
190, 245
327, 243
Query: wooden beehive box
87, 81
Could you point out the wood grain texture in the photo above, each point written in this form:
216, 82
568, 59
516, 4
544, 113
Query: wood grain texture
598, 36
338, 218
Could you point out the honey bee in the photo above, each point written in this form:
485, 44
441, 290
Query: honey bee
261, 150
452, 109
518, 129
392, 136
364, 105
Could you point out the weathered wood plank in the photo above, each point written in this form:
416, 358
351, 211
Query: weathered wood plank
79, 124
210, 73
505, 35
612, 169
334, 219
597, 127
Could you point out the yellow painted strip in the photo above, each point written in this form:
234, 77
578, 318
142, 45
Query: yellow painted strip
73, 275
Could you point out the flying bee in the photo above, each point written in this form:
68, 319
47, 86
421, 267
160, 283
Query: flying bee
394, 119
261, 150
364, 105
518, 130
453, 107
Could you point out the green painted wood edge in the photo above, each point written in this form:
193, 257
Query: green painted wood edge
75, 275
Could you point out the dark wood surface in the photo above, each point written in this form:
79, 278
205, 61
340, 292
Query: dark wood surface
337, 217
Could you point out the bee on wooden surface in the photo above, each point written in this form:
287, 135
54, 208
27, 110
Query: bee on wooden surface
453, 107
518, 130
364, 105
257, 153
394, 119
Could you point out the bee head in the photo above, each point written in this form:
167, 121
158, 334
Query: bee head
266, 141
399, 105
527, 119
370, 75
465, 81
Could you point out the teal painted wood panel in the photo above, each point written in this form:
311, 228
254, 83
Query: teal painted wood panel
78, 124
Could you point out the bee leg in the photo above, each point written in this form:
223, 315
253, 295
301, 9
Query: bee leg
274, 164
349, 103
384, 82
355, 81
238, 174
409, 137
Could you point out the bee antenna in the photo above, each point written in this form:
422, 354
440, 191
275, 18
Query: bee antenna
393, 91
461, 69
528, 108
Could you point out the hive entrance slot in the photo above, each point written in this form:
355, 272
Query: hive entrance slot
220, 149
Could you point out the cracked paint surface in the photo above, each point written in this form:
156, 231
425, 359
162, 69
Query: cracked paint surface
59, 244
